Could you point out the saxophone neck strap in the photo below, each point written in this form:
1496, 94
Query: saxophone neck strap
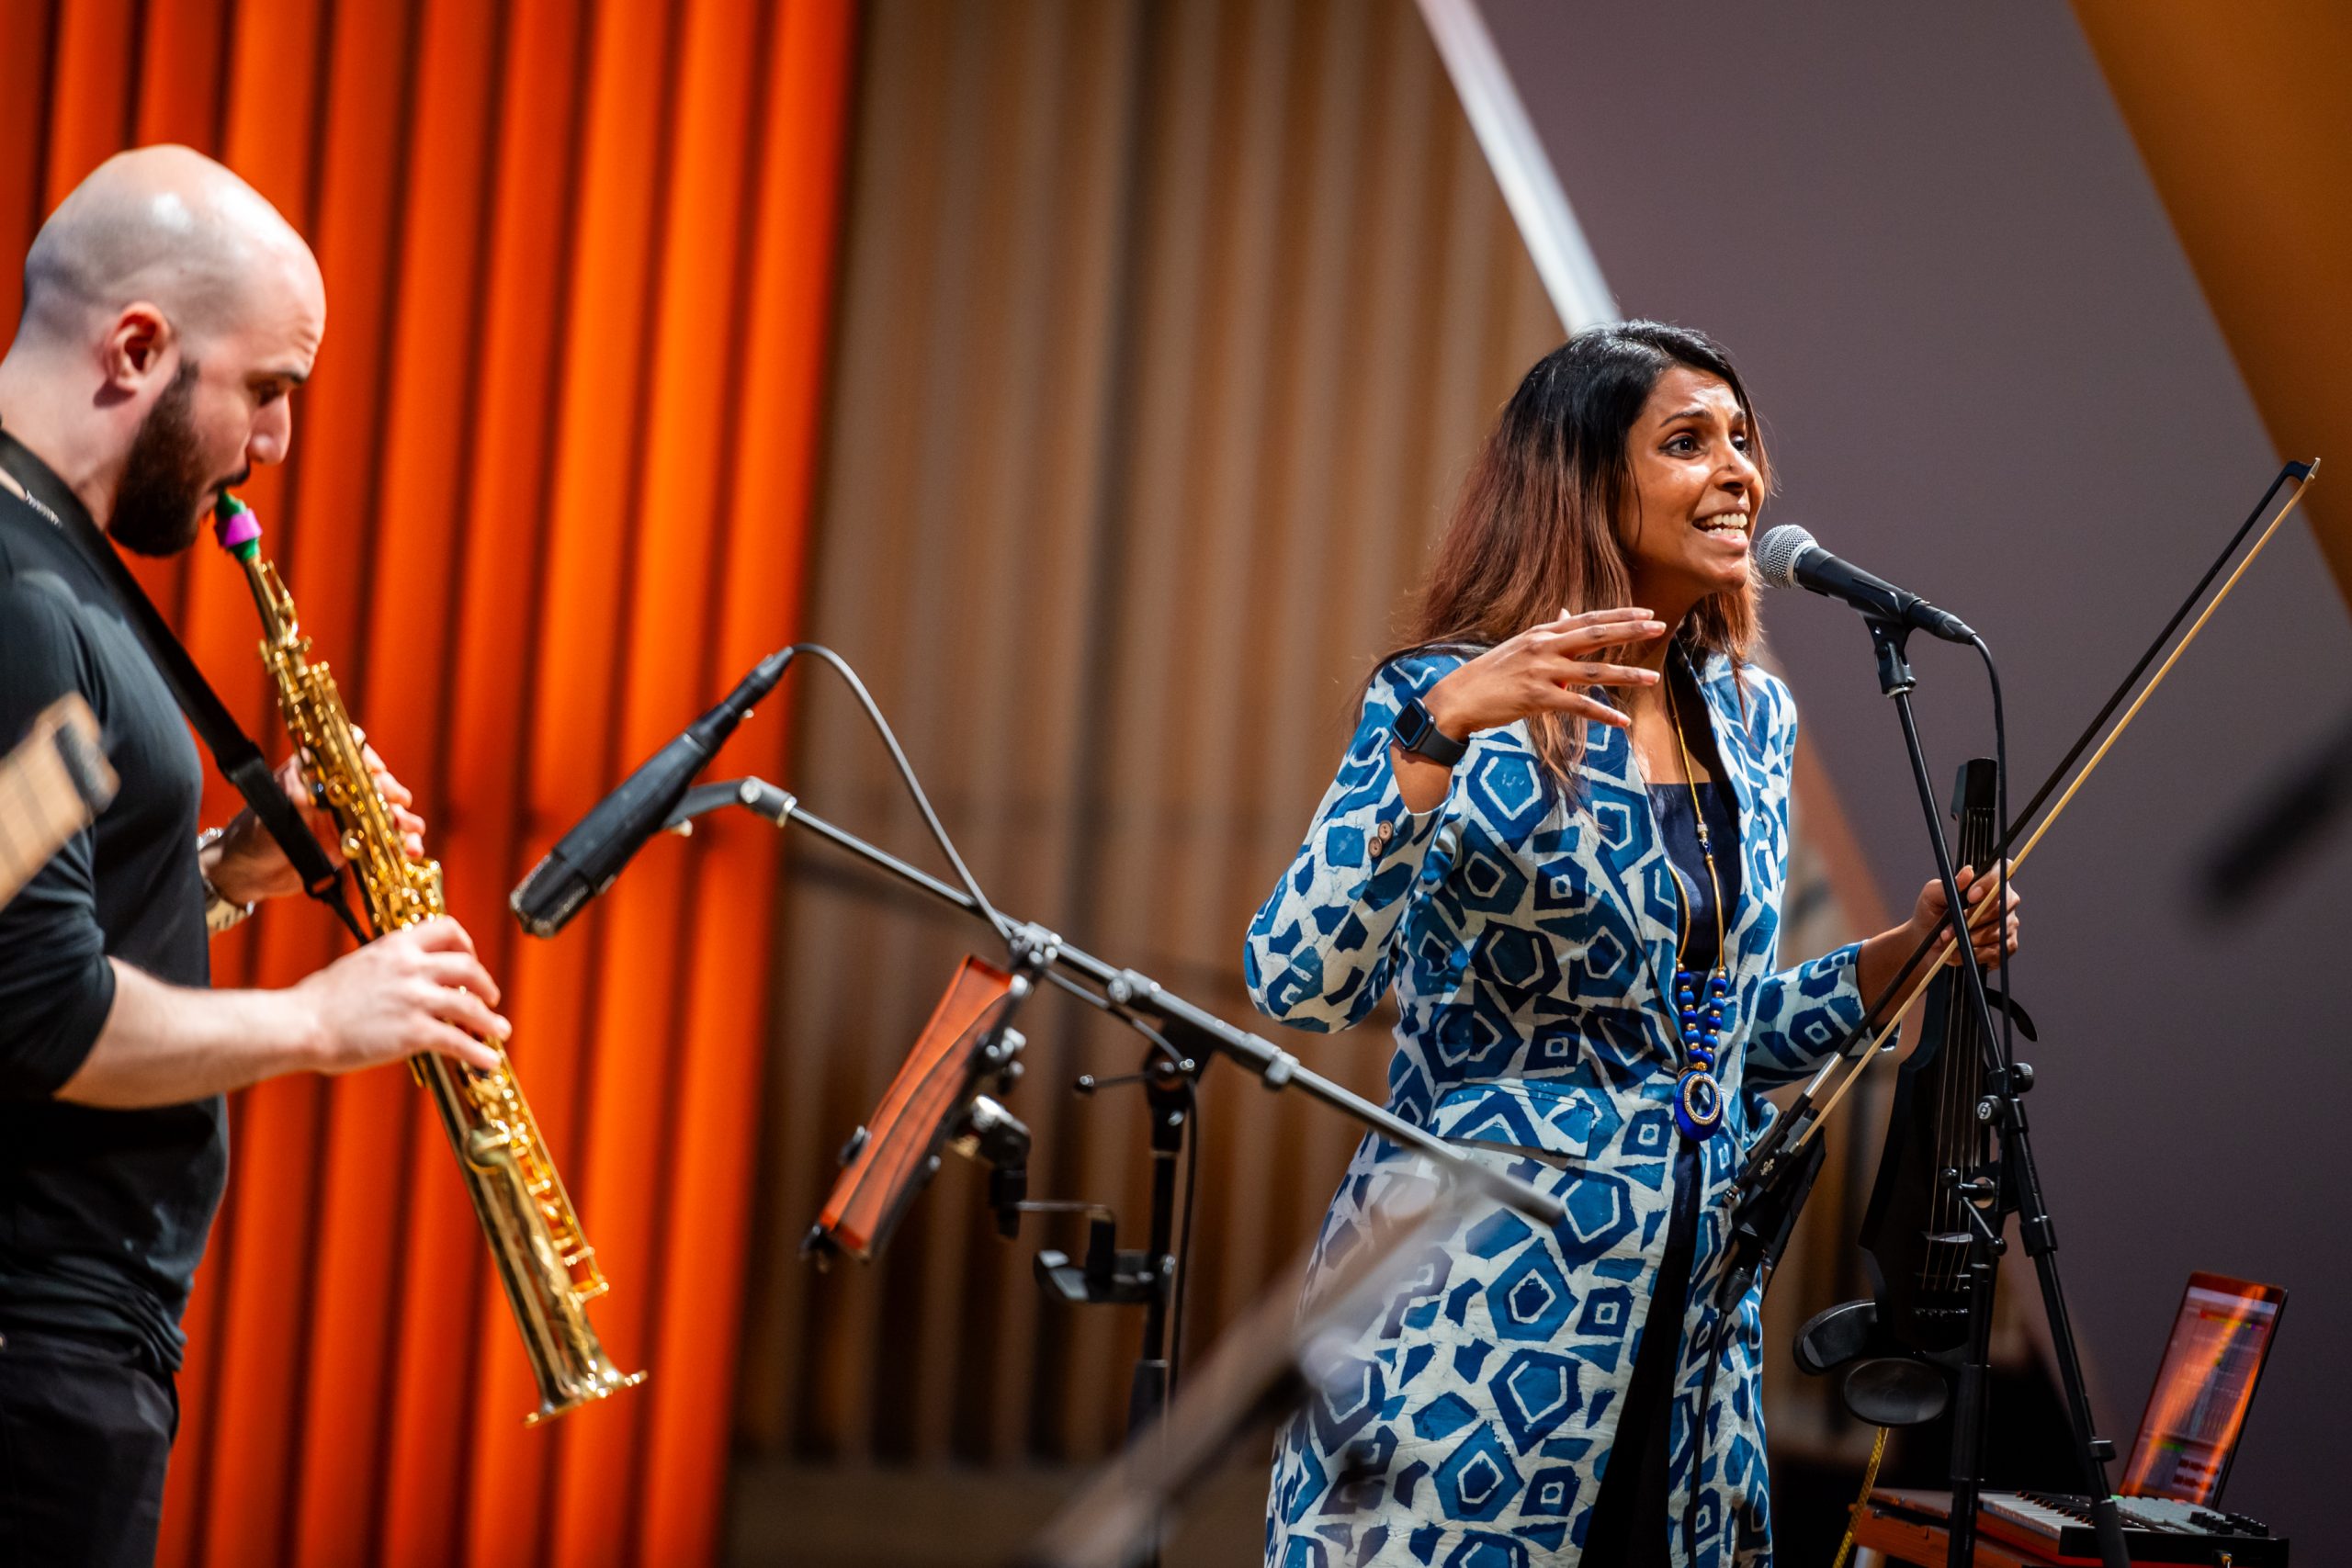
233, 751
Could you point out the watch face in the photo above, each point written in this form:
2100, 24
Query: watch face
1419, 733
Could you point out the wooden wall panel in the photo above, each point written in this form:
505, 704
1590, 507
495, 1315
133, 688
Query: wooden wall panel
548, 497
1167, 331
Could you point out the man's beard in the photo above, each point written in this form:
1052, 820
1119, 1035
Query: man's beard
159, 505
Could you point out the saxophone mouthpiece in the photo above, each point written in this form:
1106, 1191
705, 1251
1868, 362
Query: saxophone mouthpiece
234, 527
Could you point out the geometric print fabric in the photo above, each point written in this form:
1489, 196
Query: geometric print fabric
1526, 941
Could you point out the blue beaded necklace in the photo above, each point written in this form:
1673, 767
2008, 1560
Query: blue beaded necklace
1698, 1096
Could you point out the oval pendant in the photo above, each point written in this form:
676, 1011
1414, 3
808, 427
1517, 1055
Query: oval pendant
1698, 1105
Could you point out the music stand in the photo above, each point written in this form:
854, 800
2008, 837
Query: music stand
890, 1158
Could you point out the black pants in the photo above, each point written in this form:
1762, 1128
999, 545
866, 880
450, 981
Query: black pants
1631, 1526
83, 1440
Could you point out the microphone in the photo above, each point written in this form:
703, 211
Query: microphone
584, 861
1787, 557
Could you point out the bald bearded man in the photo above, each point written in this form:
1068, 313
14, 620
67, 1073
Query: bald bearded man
169, 314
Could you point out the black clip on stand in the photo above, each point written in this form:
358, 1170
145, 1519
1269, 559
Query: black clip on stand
1116, 1277
1194, 1034
2017, 1188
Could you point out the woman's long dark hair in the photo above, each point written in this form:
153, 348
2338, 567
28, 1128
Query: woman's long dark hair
1535, 530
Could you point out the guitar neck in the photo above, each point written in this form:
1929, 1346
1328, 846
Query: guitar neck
51, 786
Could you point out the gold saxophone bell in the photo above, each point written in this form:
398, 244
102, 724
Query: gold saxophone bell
544, 1260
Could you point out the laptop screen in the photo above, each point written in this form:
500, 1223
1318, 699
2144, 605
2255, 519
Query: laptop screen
2190, 1431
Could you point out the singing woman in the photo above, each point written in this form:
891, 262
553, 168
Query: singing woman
1560, 835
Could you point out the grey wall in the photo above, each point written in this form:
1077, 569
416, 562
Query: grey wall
1987, 372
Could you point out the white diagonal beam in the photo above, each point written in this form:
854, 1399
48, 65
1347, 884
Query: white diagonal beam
1531, 188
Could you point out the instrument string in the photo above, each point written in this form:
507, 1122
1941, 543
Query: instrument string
1959, 1085
1946, 1141
1946, 1045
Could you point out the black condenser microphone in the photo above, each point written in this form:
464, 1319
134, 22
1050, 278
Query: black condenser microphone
584, 861
1787, 557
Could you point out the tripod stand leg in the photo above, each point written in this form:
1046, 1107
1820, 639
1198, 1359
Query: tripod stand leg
1168, 1095
1968, 1405
2041, 1241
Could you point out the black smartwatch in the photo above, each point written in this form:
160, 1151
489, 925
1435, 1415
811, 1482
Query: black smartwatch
1417, 732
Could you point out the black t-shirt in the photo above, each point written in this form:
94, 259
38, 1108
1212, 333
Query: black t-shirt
103, 1213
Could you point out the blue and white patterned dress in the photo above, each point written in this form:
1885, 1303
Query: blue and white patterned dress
1527, 940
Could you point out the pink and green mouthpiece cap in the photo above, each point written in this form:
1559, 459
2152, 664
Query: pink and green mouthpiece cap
235, 526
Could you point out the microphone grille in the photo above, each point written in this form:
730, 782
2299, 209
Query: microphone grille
1777, 553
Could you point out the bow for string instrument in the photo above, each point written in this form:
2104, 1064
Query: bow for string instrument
1771, 1186
1773, 1183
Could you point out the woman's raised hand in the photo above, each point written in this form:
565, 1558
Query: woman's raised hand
1544, 670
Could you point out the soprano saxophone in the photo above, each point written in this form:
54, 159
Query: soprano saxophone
545, 1262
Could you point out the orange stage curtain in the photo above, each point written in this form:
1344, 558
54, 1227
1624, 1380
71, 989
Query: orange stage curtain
548, 496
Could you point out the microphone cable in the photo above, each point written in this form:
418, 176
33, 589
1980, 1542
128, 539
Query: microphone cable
2001, 864
2012, 829
914, 786
1002, 927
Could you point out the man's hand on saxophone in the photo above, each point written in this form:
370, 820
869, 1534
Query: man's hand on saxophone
417, 989
244, 864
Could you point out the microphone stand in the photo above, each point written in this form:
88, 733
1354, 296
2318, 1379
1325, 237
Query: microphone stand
2018, 1190
1133, 995
1196, 1034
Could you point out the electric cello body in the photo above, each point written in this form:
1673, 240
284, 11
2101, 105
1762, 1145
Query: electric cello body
1897, 1351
